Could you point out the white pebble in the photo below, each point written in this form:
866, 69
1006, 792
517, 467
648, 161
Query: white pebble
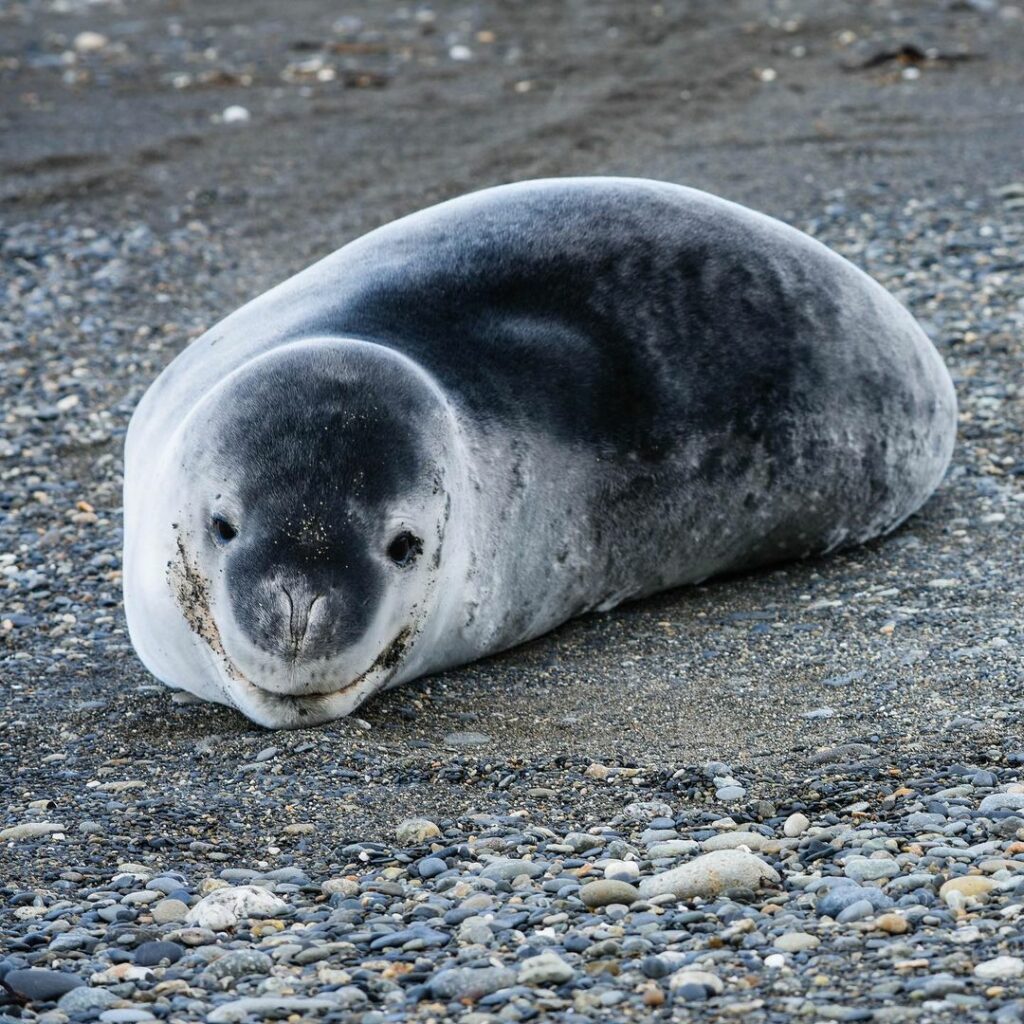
1002, 967
224, 908
710, 874
796, 825
235, 115
90, 42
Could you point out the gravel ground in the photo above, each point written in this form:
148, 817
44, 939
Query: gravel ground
160, 163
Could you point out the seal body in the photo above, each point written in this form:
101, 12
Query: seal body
524, 404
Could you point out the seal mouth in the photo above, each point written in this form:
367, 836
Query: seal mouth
388, 660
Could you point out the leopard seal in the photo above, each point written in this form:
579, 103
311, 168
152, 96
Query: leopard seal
520, 405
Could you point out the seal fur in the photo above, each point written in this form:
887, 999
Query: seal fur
583, 391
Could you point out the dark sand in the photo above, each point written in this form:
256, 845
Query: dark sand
725, 671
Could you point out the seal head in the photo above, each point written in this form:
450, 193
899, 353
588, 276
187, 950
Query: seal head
311, 533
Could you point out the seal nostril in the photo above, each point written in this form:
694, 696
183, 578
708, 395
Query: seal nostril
299, 614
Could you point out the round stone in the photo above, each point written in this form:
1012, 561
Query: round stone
796, 942
728, 794
41, 986
471, 982
1001, 968
622, 870
856, 912
967, 886
655, 967
340, 886
605, 891
85, 1000
733, 840
169, 911
431, 866
864, 869
223, 908
711, 874
894, 924
466, 739
414, 831
149, 954
90, 42
548, 968
796, 825
241, 962
505, 869
31, 830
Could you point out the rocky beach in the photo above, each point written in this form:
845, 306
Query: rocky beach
796, 794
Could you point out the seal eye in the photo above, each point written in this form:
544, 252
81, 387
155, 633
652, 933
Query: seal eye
404, 548
223, 531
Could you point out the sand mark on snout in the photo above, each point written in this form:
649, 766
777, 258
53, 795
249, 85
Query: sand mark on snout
191, 590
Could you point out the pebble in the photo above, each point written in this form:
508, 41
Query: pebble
967, 885
90, 42
710, 874
471, 982
431, 866
994, 802
731, 840
168, 911
235, 114
238, 1010
857, 911
796, 942
149, 954
339, 887
31, 830
506, 869
833, 903
796, 825
604, 892
894, 924
414, 831
625, 870
86, 1000
864, 869
730, 794
223, 908
547, 968
241, 962
38, 985
1000, 968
